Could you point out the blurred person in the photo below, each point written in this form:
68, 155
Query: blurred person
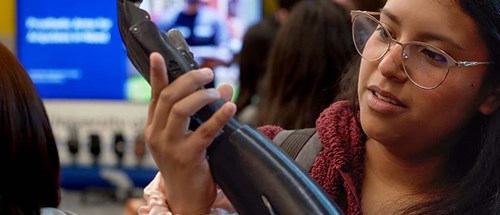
305, 64
253, 59
200, 24
418, 133
29, 158
205, 32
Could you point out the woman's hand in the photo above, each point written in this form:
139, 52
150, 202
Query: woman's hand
180, 154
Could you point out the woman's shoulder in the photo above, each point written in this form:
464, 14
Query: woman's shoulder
55, 211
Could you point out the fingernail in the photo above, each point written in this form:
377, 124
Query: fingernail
206, 72
229, 108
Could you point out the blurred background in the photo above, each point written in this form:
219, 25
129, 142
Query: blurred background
96, 100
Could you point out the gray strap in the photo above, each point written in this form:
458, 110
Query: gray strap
301, 145
296, 140
280, 137
309, 152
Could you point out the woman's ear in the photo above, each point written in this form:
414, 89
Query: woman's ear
491, 103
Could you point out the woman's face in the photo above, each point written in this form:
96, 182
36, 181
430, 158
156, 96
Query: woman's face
421, 120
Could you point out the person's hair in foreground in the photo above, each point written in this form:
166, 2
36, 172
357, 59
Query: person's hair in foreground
28, 154
473, 167
308, 56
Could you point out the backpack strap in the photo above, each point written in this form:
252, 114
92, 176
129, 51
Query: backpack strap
302, 145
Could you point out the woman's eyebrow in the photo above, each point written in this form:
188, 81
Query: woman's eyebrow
425, 35
437, 37
391, 16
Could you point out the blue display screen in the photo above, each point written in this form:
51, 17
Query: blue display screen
72, 49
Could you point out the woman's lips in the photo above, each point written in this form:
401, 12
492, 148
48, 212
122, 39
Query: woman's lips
383, 102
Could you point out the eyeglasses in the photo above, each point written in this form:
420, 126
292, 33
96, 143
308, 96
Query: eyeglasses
427, 66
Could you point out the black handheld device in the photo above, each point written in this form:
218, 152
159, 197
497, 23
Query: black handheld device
256, 176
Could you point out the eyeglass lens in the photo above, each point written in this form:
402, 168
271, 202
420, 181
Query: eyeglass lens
426, 66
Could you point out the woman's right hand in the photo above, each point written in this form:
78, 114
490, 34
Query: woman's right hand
179, 153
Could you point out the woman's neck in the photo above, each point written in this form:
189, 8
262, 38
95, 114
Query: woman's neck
420, 174
392, 182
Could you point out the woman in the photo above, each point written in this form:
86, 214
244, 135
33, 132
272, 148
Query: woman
421, 137
28, 152
253, 60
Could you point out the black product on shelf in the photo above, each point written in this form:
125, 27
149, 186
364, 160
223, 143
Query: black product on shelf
73, 144
119, 147
95, 147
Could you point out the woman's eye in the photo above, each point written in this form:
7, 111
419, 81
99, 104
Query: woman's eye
435, 56
382, 33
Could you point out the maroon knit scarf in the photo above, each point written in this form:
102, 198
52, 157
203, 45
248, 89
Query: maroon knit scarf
343, 149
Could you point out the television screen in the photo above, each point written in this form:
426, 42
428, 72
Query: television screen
73, 50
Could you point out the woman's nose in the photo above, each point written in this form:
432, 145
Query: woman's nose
391, 65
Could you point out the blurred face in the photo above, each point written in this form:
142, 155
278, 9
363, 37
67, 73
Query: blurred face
402, 116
